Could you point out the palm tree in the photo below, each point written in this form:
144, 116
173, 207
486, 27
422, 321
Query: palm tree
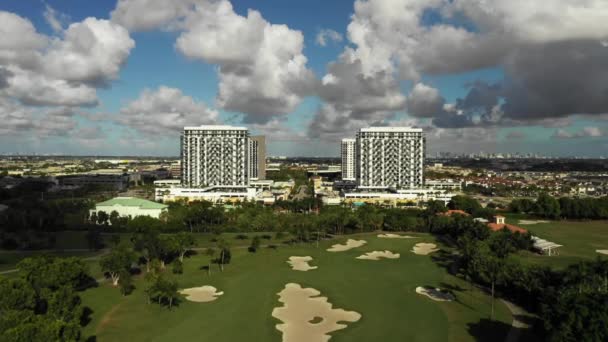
210, 252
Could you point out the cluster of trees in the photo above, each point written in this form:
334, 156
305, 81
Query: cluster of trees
565, 208
43, 304
571, 303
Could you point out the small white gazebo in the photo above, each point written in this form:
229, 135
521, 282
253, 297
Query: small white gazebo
545, 247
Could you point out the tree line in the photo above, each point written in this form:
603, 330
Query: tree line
546, 206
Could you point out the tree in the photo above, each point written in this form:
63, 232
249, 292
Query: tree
93, 218
53, 273
255, 244
210, 252
225, 254
102, 217
490, 268
117, 262
547, 206
178, 267
126, 282
161, 290
114, 218
184, 242
64, 305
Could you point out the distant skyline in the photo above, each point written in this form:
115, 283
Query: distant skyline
124, 77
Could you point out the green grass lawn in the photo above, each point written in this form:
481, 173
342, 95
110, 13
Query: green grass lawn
580, 239
382, 291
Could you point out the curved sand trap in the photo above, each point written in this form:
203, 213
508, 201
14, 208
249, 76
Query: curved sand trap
376, 255
533, 221
602, 251
435, 294
201, 294
395, 236
300, 263
425, 248
307, 317
350, 244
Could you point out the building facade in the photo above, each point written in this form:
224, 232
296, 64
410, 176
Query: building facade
257, 157
215, 156
130, 207
390, 157
348, 153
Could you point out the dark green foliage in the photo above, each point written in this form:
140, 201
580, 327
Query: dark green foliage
43, 303
547, 206
178, 267
570, 316
255, 244
53, 273
126, 283
162, 291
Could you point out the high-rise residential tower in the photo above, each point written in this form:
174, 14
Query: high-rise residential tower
215, 156
348, 152
257, 157
390, 157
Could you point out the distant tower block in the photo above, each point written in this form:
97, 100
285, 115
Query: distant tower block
390, 157
348, 153
257, 157
215, 156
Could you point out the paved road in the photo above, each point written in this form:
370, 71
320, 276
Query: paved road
517, 325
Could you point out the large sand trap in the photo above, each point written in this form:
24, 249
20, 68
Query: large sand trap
307, 317
425, 248
350, 244
201, 294
376, 255
435, 294
532, 221
300, 263
602, 251
395, 236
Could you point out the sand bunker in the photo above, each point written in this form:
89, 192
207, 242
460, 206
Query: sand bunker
376, 255
350, 244
602, 251
435, 294
300, 263
532, 221
307, 317
201, 294
425, 248
395, 236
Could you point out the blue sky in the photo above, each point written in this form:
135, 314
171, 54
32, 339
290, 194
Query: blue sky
300, 113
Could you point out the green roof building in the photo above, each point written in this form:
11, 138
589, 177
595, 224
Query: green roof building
130, 206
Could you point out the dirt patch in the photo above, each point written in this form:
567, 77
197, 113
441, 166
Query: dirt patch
602, 251
201, 294
307, 317
350, 244
300, 263
376, 255
395, 236
425, 248
526, 222
435, 294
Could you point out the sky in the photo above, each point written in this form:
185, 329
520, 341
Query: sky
124, 77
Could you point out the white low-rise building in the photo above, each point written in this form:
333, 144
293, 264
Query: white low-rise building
210, 194
130, 206
401, 196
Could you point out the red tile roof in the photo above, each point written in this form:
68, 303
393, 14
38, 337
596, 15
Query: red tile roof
452, 212
515, 229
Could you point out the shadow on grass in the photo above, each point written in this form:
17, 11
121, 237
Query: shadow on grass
487, 330
446, 260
